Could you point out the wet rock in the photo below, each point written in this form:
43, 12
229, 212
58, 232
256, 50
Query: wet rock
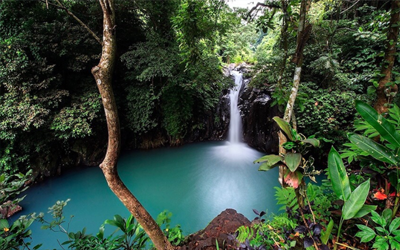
259, 130
215, 122
219, 229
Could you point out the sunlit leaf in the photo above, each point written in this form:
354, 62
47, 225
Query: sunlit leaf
356, 201
338, 175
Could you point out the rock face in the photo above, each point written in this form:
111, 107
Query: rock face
216, 122
219, 229
259, 130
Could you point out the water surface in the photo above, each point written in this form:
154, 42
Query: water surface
195, 182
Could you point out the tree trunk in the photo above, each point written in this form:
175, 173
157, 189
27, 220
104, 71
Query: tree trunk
303, 33
284, 35
103, 76
385, 94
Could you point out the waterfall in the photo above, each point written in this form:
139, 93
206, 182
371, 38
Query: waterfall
235, 125
235, 150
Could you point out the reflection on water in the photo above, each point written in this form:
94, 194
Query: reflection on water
195, 182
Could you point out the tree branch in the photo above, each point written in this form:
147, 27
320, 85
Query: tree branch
62, 7
271, 5
350, 7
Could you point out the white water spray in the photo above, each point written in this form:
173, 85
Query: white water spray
235, 125
235, 151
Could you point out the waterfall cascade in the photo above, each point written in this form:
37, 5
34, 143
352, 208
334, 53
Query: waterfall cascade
235, 125
235, 150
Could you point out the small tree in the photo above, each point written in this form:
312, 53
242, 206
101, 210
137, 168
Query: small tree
103, 73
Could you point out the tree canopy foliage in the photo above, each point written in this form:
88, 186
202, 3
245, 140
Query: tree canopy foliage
49, 102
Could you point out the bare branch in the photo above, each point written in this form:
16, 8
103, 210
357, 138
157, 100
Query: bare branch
255, 9
61, 6
349, 7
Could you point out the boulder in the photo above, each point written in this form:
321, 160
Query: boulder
219, 229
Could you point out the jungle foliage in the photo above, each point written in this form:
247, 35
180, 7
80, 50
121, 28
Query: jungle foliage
169, 75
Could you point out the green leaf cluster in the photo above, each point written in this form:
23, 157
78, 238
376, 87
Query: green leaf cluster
386, 232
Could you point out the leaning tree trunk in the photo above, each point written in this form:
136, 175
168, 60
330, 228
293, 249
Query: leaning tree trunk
385, 93
303, 33
103, 76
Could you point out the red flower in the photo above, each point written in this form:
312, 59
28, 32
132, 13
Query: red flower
380, 195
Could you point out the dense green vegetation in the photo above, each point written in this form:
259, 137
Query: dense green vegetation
48, 97
167, 82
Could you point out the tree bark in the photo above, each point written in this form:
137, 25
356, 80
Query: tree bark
303, 33
103, 76
385, 94
284, 35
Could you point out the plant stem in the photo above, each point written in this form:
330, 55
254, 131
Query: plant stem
312, 213
396, 202
338, 234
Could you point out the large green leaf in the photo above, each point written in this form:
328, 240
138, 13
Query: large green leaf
269, 158
267, 166
312, 141
284, 126
395, 224
385, 128
366, 209
292, 161
356, 201
337, 174
373, 148
269, 162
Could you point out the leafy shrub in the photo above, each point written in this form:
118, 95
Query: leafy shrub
327, 114
16, 235
174, 234
287, 230
386, 231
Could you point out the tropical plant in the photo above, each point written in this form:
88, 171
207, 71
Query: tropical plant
174, 234
297, 165
16, 235
385, 154
354, 201
386, 233
294, 228
132, 237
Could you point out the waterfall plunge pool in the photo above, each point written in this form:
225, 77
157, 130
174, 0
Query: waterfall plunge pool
195, 182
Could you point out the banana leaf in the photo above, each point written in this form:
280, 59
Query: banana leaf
386, 130
356, 201
338, 175
376, 150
